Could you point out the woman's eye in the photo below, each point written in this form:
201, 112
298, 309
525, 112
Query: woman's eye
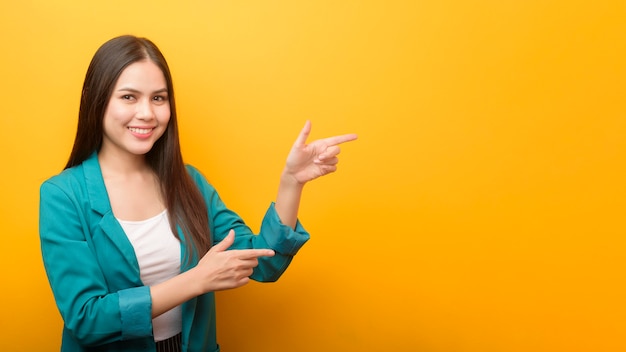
127, 97
159, 98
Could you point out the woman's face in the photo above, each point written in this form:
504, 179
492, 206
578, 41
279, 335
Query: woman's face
138, 111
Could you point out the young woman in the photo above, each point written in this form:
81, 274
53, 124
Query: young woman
135, 242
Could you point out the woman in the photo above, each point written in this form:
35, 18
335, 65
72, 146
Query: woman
133, 241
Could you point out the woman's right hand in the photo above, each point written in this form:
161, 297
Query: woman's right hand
223, 269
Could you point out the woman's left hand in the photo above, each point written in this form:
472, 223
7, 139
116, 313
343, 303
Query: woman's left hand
307, 162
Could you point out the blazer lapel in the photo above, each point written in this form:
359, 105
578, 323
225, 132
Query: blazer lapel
100, 204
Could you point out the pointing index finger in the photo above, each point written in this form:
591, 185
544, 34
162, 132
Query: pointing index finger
340, 139
254, 253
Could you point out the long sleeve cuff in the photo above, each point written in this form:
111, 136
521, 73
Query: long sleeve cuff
283, 239
136, 312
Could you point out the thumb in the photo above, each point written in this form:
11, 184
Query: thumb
304, 134
225, 243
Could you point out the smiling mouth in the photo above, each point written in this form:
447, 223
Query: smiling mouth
140, 130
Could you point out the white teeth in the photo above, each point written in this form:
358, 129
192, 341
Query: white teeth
140, 130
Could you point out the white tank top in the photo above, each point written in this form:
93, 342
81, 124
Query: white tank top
158, 253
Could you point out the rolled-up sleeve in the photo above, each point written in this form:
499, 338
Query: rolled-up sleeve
281, 238
134, 303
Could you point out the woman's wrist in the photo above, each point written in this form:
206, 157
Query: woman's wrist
288, 179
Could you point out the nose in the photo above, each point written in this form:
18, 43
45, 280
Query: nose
145, 110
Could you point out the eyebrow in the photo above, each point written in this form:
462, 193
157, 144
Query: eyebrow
127, 89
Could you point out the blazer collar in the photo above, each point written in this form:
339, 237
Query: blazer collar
98, 196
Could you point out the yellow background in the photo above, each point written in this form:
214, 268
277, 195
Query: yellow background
482, 208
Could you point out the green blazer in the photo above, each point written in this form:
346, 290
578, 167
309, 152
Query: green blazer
94, 274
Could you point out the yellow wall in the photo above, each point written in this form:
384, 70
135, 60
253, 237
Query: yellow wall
482, 208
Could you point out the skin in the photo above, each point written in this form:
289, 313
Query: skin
138, 104
136, 116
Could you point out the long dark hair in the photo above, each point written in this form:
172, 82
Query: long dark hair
183, 199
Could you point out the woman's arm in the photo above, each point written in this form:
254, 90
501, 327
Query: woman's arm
305, 163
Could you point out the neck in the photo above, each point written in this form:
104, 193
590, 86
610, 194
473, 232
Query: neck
122, 163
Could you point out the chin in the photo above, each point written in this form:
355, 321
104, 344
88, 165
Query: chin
140, 151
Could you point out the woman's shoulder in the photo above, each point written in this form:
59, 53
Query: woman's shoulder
78, 174
67, 177
198, 177
70, 182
